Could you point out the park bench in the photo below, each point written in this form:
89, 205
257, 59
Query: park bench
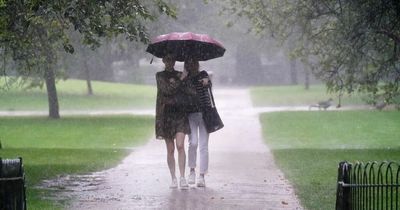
370, 185
12, 184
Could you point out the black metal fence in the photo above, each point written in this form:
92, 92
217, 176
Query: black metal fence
12, 184
368, 186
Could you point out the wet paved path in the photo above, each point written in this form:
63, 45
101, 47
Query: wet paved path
242, 172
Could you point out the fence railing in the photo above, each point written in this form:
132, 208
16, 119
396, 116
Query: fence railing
368, 186
12, 184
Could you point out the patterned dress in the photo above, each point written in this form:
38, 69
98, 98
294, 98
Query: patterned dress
171, 116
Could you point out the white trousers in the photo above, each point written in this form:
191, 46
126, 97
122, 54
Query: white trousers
198, 138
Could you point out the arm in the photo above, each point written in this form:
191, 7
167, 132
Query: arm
188, 87
205, 79
170, 86
165, 86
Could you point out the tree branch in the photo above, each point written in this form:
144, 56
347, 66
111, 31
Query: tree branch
389, 34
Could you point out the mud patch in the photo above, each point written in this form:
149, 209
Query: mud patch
64, 188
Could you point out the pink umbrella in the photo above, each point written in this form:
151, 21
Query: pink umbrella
186, 45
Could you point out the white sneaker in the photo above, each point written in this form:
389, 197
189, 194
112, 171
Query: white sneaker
183, 184
192, 178
201, 182
174, 184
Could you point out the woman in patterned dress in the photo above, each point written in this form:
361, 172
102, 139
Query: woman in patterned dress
171, 118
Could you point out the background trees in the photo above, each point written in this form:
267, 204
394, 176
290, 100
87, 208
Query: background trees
351, 45
33, 32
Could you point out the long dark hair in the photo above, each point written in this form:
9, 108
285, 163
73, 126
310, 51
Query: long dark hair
191, 71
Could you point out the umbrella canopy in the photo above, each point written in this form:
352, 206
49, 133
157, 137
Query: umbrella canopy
186, 45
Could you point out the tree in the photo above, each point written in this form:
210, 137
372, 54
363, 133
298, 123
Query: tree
248, 64
206, 20
351, 45
32, 32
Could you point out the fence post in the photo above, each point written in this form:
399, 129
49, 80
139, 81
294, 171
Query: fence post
12, 184
343, 195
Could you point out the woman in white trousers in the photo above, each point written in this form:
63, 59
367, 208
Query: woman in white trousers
198, 138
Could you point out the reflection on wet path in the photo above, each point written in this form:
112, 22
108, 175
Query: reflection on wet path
242, 172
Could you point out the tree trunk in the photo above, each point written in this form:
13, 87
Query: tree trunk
49, 75
87, 75
307, 78
88, 82
51, 92
306, 66
293, 72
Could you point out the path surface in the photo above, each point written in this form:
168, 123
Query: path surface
242, 172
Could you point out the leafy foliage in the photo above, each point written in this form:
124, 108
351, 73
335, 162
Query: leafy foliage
351, 45
32, 32
31, 29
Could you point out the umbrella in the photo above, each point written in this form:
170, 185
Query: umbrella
186, 45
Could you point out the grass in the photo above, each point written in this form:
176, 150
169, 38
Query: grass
70, 145
308, 146
297, 95
72, 95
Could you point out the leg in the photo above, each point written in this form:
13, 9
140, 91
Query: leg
193, 142
203, 144
170, 157
180, 146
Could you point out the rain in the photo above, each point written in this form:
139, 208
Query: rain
305, 96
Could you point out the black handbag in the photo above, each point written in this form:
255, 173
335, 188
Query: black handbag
211, 118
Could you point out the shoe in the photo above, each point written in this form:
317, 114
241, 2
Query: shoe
183, 184
201, 182
174, 184
192, 178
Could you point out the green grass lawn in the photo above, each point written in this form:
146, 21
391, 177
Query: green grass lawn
72, 95
308, 146
68, 146
297, 95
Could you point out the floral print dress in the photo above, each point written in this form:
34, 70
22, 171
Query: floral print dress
171, 116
